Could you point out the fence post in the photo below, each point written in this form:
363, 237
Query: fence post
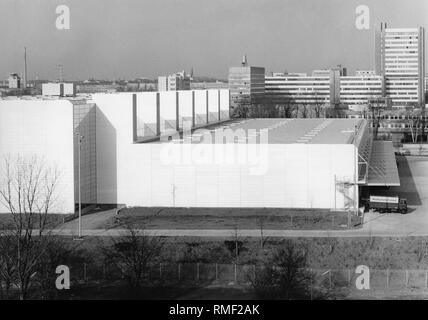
160, 270
426, 278
216, 271
179, 271
235, 273
349, 222
329, 277
407, 278
387, 278
349, 277
254, 272
197, 271
291, 221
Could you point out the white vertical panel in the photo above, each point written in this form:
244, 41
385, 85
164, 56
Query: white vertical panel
200, 107
146, 114
206, 186
319, 173
168, 111
185, 186
162, 178
252, 189
224, 104
229, 186
185, 107
213, 106
296, 178
274, 178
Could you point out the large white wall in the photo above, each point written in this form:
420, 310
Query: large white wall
296, 175
41, 128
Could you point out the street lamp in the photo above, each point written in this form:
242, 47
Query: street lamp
79, 141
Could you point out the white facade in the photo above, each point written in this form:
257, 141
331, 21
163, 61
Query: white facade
356, 91
42, 129
299, 89
132, 173
58, 89
401, 59
158, 174
52, 89
300, 174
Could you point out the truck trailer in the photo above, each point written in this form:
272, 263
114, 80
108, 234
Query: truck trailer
388, 204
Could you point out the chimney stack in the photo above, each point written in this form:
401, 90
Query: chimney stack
25, 67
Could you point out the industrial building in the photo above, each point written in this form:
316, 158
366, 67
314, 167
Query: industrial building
115, 128
180, 149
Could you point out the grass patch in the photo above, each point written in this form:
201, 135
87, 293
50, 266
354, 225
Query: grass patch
231, 218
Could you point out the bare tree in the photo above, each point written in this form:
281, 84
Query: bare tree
304, 110
263, 238
284, 276
133, 254
28, 192
7, 265
288, 108
376, 105
319, 105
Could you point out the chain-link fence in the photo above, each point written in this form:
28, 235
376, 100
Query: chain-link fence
197, 273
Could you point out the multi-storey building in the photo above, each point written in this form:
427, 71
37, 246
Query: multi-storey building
356, 91
246, 84
298, 89
320, 88
174, 82
400, 58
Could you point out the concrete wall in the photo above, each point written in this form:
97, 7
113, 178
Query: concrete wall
43, 129
151, 174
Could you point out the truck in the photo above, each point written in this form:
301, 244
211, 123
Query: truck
388, 204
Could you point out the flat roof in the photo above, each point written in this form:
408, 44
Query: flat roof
288, 131
383, 169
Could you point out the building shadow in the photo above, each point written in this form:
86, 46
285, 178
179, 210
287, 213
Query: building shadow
407, 188
106, 160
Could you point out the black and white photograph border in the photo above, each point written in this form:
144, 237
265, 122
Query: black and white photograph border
207, 150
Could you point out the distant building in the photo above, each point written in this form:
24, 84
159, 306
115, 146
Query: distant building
358, 90
363, 73
58, 89
174, 82
246, 84
400, 58
323, 87
14, 81
209, 85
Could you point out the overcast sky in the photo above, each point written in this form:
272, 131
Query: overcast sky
145, 38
